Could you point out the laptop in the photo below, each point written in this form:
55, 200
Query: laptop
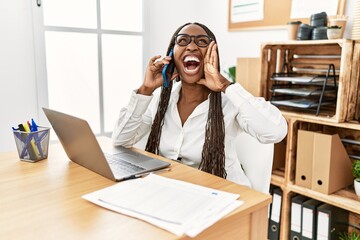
81, 146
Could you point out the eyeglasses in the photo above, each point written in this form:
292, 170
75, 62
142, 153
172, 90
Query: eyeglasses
200, 40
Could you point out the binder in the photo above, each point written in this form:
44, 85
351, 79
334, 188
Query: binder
309, 219
331, 221
304, 159
271, 191
275, 216
296, 214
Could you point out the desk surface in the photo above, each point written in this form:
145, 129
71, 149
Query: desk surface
43, 201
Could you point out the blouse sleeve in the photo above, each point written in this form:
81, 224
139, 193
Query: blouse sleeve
134, 121
257, 117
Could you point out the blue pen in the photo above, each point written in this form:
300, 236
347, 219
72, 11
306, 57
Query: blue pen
166, 81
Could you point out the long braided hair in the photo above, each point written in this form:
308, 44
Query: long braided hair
213, 153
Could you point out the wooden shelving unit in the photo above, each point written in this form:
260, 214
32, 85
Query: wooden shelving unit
312, 57
342, 118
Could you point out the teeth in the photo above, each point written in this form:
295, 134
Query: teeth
191, 58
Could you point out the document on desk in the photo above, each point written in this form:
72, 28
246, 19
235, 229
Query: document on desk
176, 206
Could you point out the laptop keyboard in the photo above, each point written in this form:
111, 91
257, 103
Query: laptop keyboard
118, 164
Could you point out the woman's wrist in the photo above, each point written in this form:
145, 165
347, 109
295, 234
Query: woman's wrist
145, 90
226, 85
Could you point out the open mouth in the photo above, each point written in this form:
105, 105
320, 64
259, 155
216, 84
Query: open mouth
191, 64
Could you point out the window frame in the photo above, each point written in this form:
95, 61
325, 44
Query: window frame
39, 30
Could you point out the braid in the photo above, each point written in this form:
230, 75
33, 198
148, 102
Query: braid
213, 153
153, 142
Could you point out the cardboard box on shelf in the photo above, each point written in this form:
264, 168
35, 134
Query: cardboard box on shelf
322, 162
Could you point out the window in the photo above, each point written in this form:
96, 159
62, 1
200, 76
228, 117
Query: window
93, 52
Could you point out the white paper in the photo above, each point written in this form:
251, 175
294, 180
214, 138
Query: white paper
179, 207
305, 8
247, 10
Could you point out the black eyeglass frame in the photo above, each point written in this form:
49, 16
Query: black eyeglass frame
196, 37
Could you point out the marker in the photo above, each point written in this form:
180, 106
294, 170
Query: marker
33, 126
26, 126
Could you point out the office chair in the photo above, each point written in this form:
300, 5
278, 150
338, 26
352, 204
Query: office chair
256, 159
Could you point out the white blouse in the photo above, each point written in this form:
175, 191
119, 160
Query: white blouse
242, 112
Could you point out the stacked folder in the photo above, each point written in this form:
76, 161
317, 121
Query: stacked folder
296, 216
331, 221
275, 214
312, 219
309, 219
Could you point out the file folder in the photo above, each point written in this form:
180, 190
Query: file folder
331, 164
296, 215
304, 159
275, 217
322, 163
331, 221
309, 219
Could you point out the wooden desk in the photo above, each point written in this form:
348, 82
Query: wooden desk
43, 201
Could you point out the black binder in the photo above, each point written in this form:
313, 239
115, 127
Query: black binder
271, 191
331, 221
296, 216
275, 216
309, 219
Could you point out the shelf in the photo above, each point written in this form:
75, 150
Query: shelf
302, 92
320, 120
301, 78
311, 97
345, 199
303, 103
308, 42
277, 180
292, 77
305, 63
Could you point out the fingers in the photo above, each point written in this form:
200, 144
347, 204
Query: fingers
156, 63
162, 61
153, 59
207, 55
214, 57
211, 55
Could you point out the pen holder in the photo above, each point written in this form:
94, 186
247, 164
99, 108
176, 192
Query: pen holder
32, 146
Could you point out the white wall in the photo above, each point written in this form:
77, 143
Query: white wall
214, 14
18, 96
